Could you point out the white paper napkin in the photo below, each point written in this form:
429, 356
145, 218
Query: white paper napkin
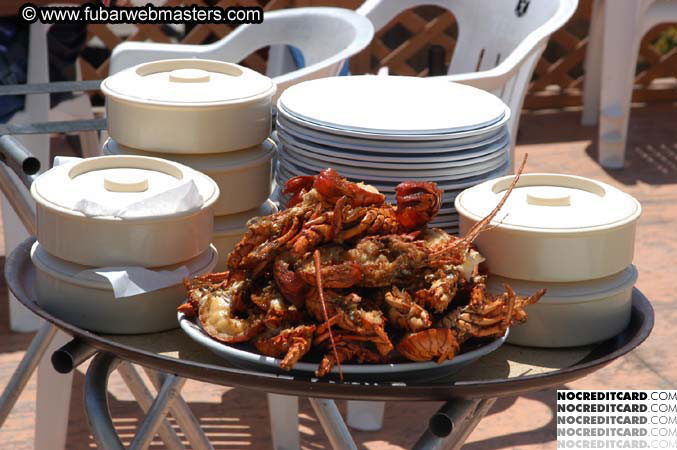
181, 198
129, 281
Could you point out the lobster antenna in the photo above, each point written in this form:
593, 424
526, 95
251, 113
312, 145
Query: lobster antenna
484, 223
318, 277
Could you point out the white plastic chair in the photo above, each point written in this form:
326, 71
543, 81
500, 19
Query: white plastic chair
499, 42
53, 389
498, 46
326, 37
616, 31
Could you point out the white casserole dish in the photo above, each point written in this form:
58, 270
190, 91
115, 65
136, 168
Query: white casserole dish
572, 314
553, 227
188, 106
88, 300
228, 230
250, 168
124, 211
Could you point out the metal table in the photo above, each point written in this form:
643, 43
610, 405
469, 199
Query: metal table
509, 371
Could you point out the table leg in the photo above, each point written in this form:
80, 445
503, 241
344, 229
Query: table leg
183, 415
98, 414
451, 425
333, 424
145, 399
96, 402
170, 389
26, 367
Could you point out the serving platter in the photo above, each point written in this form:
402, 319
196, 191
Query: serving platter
245, 356
508, 371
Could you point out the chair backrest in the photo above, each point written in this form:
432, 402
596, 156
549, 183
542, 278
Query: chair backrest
319, 33
488, 30
499, 42
325, 36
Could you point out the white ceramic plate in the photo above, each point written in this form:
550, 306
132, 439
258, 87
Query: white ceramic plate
392, 105
241, 355
398, 137
384, 168
448, 205
312, 166
411, 162
287, 170
388, 145
446, 225
449, 217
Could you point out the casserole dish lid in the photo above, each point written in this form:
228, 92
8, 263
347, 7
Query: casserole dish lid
86, 276
237, 223
209, 162
124, 187
571, 292
188, 82
543, 202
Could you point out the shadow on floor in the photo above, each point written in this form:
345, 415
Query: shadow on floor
541, 435
651, 150
653, 161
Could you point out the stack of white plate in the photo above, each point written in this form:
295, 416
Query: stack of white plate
385, 130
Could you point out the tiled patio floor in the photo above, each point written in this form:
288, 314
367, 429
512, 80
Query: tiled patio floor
236, 418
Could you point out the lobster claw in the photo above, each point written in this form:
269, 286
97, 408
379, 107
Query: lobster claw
332, 187
417, 203
298, 186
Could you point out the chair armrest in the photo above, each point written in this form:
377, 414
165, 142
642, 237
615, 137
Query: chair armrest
496, 78
488, 80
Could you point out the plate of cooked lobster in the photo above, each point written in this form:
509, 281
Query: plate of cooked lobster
246, 356
343, 284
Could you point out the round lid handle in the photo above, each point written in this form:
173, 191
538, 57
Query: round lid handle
125, 183
189, 76
546, 198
